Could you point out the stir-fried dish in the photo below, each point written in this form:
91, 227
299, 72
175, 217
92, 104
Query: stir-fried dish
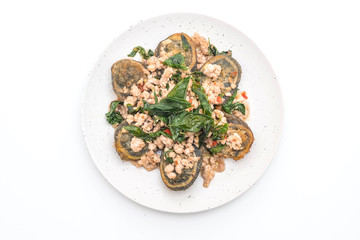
180, 109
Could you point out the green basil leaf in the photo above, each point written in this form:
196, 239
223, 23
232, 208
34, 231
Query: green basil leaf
229, 106
217, 148
167, 158
142, 52
185, 43
197, 110
156, 98
132, 110
196, 88
176, 61
164, 119
167, 86
196, 76
204, 134
191, 122
150, 53
167, 106
240, 107
114, 117
219, 132
213, 51
179, 91
139, 133
176, 77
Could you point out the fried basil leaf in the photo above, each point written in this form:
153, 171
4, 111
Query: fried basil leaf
190, 122
167, 106
132, 110
195, 75
219, 132
213, 51
139, 133
167, 158
155, 96
185, 43
196, 88
176, 77
114, 117
179, 91
176, 61
217, 148
142, 52
173, 103
229, 107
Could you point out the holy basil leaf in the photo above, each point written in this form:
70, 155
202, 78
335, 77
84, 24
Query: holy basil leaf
114, 117
213, 51
219, 132
176, 133
176, 77
217, 148
179, 91
184, 122
150, 53
164, 119
196, 110
185, 43
174, 102
156, 98
167, 106
204, 134
228, 52
139, 133
191, 122
195, 75
239, 106
167, 158
196, 88
142, 52
132, 110
229, 107
176, 61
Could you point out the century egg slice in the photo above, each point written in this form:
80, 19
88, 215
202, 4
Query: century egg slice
188, 175
125, 73
236, 125
230, 74
123, 144
175, 44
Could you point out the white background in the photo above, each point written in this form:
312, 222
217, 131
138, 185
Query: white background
50, 188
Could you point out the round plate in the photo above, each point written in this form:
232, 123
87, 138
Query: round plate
266, 114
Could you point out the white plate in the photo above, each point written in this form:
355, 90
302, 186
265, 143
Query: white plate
266, 114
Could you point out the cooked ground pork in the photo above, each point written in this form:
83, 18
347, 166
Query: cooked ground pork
158, 81
180, 161
202, 49
137, 144
234, 141
210, 165
212, 71
149, 161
